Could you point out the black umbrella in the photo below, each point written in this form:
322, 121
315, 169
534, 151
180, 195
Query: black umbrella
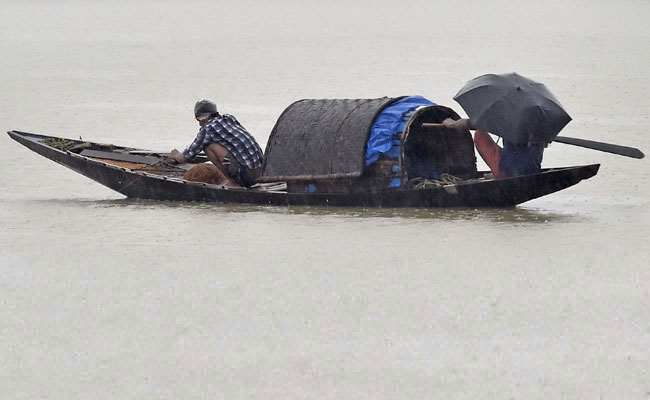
514, 107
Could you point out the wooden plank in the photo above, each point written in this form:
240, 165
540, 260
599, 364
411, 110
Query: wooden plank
123, 164
120, 156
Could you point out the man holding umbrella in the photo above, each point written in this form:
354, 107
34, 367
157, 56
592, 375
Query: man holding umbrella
511, 160
523, 112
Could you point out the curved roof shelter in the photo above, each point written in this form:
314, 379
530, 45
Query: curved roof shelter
318, 139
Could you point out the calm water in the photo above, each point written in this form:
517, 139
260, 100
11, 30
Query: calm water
109, 298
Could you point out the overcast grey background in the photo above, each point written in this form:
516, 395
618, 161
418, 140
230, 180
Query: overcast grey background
107, 298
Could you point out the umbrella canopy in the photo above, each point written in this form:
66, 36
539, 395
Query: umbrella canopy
514, 107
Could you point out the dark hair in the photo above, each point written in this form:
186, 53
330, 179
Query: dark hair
205, 106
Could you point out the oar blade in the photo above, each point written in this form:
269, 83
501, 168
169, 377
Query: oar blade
601, 146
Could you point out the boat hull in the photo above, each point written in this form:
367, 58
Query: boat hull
141, 185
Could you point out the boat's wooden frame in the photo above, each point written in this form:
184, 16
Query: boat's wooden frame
134, 183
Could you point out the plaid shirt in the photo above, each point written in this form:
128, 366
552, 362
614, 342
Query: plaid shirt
228, 132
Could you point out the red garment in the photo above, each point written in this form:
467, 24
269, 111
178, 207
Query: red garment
489, 151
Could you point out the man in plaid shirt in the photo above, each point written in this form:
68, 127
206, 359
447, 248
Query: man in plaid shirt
226, 143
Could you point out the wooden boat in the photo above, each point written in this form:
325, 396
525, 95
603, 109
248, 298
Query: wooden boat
331, 177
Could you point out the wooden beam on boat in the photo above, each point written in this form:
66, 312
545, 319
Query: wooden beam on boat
310, 178
109, 155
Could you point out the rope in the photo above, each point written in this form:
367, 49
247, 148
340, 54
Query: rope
59, 143
445, 180
163, 167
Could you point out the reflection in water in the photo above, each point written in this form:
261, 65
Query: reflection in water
511, 215
500, 215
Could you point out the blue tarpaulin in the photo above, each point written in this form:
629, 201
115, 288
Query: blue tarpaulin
390, 122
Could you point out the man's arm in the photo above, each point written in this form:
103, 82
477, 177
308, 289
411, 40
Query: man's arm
192, 150
461, 124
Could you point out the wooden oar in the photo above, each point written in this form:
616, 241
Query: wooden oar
601, 146
590, 144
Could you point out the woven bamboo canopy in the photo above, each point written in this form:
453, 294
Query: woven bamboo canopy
320, 139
